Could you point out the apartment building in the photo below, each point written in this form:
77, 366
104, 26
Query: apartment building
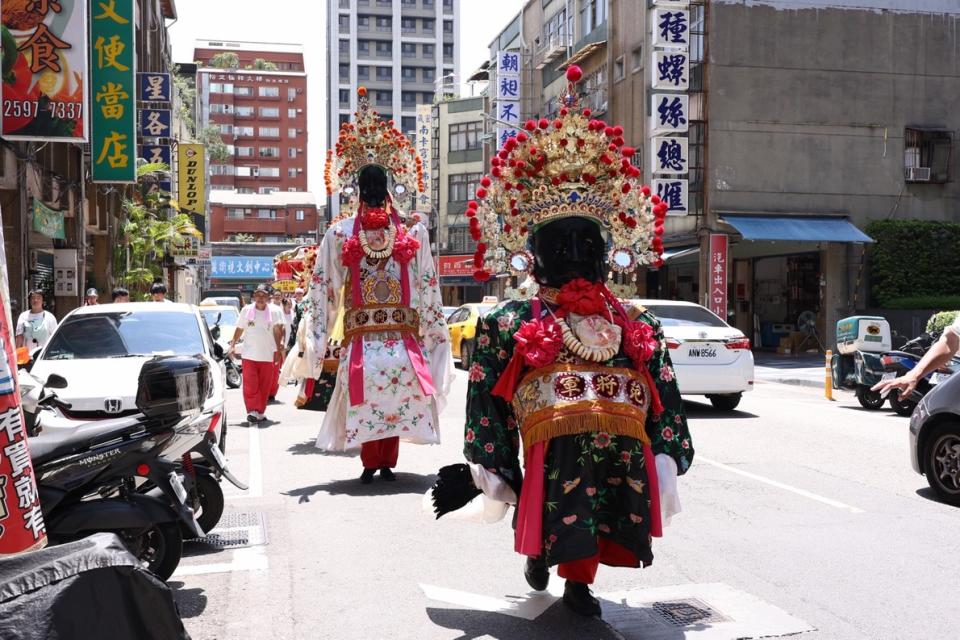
272, 217
256, 93
404, 52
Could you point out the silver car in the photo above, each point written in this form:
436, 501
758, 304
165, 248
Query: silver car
935, 439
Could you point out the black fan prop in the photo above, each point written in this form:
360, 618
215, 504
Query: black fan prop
454, 489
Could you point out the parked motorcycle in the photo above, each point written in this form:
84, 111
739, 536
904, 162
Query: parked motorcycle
234, 369
87, 477
899, 363
861, 340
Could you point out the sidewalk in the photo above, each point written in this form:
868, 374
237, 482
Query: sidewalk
805, 370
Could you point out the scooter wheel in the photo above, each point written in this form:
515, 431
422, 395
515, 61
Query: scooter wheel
902, 407
869, 399
234, 380
209, 502
158, 548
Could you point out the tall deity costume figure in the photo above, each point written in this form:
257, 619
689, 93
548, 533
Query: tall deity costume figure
395, 365
573, 378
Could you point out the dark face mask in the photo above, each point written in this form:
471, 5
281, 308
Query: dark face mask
373, 186
567, 249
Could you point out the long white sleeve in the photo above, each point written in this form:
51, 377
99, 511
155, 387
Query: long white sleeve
433, 325
322, 299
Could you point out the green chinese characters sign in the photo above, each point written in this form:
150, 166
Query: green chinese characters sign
113, 144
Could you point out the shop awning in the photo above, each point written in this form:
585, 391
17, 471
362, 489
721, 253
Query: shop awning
796, 228
675, 253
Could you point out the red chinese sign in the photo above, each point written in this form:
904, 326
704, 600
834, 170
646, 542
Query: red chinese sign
44, 70
456, 266
719, 248
21, 519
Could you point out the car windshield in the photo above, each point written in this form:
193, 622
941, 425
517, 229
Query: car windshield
484, 309
683, 316
228, 317
125, 334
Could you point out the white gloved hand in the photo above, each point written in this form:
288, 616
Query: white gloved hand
669, 495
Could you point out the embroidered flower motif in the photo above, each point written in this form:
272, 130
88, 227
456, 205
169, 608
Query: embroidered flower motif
625, 456
639, 341
666, 373
483, 341
685, 443
582, 297
505, 321
488, 447
391, 418
484, 422
602, 440
476, 373
667, 433
470, 436
538, 342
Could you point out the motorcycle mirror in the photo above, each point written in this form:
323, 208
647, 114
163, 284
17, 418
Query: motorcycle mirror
218, 350
56, 381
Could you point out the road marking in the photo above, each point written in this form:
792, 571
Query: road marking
528, 607
252, 559
255, 482
780, 485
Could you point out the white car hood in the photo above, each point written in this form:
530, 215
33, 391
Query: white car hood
91, 382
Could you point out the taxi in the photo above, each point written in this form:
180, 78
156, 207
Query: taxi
462, 324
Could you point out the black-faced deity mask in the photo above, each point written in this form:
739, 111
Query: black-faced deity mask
567, 249
373, 185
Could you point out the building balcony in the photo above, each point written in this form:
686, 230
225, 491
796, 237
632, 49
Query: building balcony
253, 224
552, 47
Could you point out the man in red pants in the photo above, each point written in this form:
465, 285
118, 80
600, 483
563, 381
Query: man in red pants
262, 327
382, 455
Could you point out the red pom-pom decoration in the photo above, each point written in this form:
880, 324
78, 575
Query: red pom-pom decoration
481, 275
574, 73
530, 125
625, 188
544, 123
557, 123
586, 113
645, 191
485, 181
481, 193
655, 199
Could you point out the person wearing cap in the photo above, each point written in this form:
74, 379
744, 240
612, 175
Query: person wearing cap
35, 325
158, 292
261, 325
92, 297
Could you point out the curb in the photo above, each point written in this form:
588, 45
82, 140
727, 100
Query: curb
797, 382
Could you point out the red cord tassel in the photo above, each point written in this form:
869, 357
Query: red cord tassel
510, 378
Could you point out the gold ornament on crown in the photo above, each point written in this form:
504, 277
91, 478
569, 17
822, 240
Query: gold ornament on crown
571, 166
368, 140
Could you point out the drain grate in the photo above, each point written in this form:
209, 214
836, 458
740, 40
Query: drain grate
689, 611
236, 530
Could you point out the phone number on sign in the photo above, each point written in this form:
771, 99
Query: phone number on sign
31, 108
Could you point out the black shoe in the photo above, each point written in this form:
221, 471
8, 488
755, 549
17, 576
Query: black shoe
252, 418
577, 596
387, 474
536, 573
367, 476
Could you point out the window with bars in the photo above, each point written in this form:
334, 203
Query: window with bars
463, 187
459, 240
926, 156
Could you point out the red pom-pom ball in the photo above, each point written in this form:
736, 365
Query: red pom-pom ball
574, 73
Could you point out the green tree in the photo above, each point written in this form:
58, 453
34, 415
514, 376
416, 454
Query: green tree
225, 60
244, 237
262, 65
212, 139
151, 227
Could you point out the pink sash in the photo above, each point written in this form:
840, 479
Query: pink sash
417, 360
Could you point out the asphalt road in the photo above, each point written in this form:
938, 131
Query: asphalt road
799, 515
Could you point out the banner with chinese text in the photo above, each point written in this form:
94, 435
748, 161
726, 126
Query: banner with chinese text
424, 135
48, 221
191, 178
113, 141
719, 248
242, 267
21, 519
44, 84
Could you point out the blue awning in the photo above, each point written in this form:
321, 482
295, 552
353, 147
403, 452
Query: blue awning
796, 228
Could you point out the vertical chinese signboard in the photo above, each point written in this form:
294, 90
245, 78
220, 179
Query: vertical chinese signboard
21, 519
670, 108
44, 70
719, 246
423, 136
191, 178
507, 94
113, 143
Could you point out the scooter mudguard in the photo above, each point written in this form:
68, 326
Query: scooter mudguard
869, 368
110, 514
218, 462
163, 476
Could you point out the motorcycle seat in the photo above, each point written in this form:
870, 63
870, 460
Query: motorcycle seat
50, 445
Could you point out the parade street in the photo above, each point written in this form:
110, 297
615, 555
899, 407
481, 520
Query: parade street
799, 515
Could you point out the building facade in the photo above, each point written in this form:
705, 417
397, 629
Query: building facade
404, 52
261, 113
278, 217
805, 118
457, 168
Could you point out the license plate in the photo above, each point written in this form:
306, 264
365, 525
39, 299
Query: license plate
937, 378
890, 375
218, 456
708, 352
178, 487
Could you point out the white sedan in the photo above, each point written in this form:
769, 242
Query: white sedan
100, 349
710, 357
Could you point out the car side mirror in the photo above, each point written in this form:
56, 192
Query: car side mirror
218, 350
56, 381
215, 331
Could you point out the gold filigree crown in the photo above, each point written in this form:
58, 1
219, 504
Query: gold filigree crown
372, 141
572, 166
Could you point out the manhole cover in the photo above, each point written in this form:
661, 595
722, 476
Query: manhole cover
236, 530
682, 613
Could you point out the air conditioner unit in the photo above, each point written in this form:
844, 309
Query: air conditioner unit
917, 174
299, 130
299, 110
299, 169
299, 90
255, 172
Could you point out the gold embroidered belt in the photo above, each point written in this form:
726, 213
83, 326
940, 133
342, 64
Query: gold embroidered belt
569, 399
331, 359
376, 318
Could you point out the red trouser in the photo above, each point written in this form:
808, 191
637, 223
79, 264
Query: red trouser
585, 569
377, 454
258, 381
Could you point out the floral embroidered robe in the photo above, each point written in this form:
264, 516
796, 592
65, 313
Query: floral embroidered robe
595, 483
394, 403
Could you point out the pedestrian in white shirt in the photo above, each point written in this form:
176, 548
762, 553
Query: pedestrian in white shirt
158, 292
261, 324
36, 325
939, 354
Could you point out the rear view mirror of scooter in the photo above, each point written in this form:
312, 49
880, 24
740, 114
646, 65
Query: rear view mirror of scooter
56, 381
